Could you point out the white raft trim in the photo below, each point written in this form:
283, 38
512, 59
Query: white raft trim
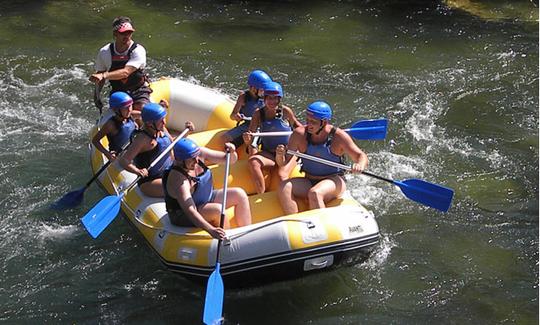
261, 239
193, 102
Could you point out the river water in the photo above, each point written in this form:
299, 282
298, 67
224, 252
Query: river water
458, 81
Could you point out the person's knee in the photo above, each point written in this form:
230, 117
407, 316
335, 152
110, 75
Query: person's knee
240, 194
254, 163
285, 191
213, 219
283, 173
314, 194
285, 187
243, 194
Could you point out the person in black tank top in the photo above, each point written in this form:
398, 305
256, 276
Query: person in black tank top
147, 145
264, 159
321, 183
190, 198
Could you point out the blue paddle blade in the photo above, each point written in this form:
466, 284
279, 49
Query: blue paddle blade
432, 195
369, 129
69, 200
213, 304
101, 215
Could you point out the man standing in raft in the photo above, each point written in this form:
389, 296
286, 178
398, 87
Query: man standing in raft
322, 183
190, 197
122, 62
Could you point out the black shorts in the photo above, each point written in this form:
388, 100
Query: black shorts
316, 181
179, 218
141, 94
147, 179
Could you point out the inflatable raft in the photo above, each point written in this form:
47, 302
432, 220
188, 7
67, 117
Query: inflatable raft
274, 245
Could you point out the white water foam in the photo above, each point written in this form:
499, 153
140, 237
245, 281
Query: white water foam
55, 110
424, 106
380, 255
57, 232
380, 196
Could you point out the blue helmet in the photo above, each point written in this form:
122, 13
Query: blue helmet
185, 149
320, 110
258, 78
153, 112
120, 99
273, 88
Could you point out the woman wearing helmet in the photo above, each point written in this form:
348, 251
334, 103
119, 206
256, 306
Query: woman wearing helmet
246, 104
119, 128
148, 143
271, 117
190, 197
321, 183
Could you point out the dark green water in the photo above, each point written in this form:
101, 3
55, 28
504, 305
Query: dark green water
460, 88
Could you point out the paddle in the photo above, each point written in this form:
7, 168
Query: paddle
75, 197
361, 130
213, 304
432, 195
97, 97
103, 213
245, 118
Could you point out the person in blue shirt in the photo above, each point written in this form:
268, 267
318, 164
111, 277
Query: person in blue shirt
322, 183
119, 128
190, 197
246, 104
272, 117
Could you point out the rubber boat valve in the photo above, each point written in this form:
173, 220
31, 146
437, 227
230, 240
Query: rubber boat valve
226, 241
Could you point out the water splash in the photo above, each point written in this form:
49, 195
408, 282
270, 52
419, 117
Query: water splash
57, 232
380, 255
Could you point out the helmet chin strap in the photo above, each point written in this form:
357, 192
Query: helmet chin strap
197, 162
154, 126
320, 128
122, 116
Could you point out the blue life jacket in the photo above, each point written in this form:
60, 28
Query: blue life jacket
204, 187
251, 104
131, 83
144, 159
276, 124
125, 130
323, 151
202, 194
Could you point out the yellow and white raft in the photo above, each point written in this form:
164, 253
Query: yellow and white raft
274, 245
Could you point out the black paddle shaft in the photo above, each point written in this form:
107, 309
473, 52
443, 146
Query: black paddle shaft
96, 175
222, 216
378, 177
